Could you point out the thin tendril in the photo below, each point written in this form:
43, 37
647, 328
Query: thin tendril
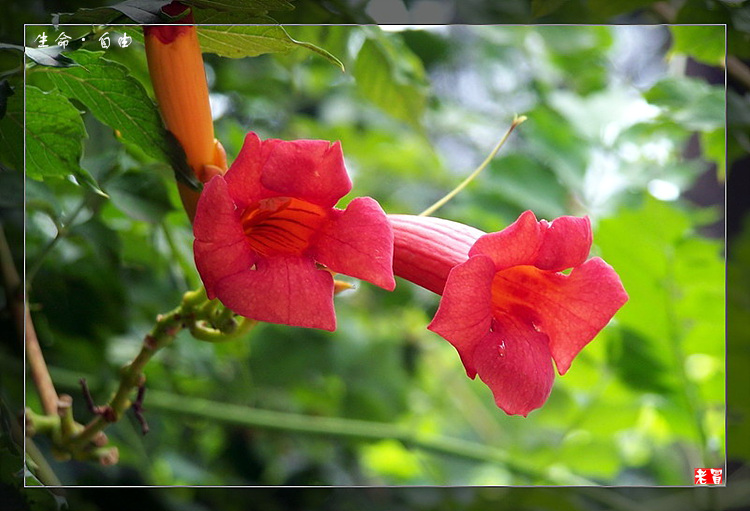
516, 121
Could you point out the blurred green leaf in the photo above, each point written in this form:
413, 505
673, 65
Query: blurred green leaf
690, 102
604, 11
102, 240
247, 7
713, 144
390, 82
703, 43
555, 145
541, 8
140, 11
141, 195
527, 184
639, 362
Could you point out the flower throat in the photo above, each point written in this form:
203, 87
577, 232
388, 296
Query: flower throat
281, 225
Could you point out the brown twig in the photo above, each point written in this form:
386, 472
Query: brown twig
738, 70
11, 282
138, 409
39, 371
16, 301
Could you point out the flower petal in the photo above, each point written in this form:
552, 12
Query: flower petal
216, 218
358, 242
215, 261
465, 312
517, 244
286, 290
514, 361
243, 176
570, 309
220, 247
575, 312
566, 243
312, 170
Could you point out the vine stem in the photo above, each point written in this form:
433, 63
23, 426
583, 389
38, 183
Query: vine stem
517, 120
338, 427
16, 300
132, 377
39, 372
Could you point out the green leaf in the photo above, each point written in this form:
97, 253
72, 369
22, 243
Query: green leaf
391, 82
689, 102
637, 361
119, 100
603, 12
49, 56
140, 195
713, 144
103, 242
249, 41
703, 43
251, 7
140, 11
541, 8
54, 134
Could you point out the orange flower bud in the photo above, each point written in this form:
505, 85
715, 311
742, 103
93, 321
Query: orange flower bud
175, 64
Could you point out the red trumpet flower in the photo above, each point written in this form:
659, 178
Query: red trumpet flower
507, 307
263, 230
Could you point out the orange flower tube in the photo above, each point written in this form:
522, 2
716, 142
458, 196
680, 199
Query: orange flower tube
175, 64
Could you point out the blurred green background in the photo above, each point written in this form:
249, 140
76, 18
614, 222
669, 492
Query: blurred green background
626, 124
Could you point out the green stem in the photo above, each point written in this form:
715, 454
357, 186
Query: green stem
427, 212
194, 312
337, 427
131, 376
42, 469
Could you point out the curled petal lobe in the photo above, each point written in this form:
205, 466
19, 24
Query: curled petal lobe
465, 313
553, 246
514, 361
358, 242
570, 309
243, 177
286, 290
518, 243
577, 308
312, 170
566, 243
219, 219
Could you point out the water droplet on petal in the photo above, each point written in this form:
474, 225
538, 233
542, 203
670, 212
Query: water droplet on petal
501, 348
